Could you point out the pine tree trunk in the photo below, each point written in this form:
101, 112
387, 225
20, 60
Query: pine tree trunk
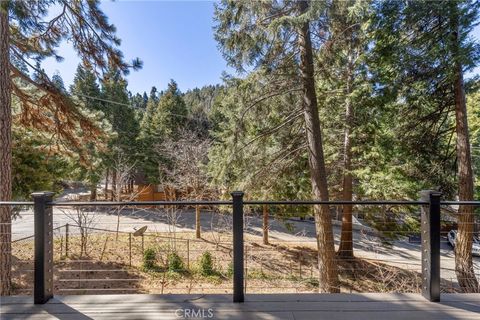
106, 184
328, 273
93, 192
197, 222
5, 154
114, 185
463, 243
345, 249
265, 224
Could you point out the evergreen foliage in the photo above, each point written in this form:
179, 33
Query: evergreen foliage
386, 84
175, 263
149, 259
206, 264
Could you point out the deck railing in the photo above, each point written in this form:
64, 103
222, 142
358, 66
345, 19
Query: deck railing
43, 203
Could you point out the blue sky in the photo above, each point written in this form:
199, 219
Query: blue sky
173, 38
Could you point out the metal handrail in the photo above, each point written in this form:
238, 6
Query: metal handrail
139, 203
335, 202
16, 203
229, 203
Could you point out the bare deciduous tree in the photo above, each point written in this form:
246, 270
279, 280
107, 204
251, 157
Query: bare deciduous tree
84, 220
124, 171
187, 154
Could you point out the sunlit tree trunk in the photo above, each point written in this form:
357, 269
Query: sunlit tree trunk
5, 154
265, 224
114, 185
197, 222
463, 248
463, 244
328, 274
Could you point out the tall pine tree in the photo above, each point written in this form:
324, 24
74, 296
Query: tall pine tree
277, 38
29, 32
423, 49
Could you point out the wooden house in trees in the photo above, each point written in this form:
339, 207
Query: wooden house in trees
143, 190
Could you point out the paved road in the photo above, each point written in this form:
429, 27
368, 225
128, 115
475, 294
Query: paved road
400, 253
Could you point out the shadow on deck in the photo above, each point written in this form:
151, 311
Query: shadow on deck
265, 306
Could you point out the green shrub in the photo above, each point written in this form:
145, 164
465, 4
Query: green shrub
258, 274
175, 263
206, 264
312, 282
149, 259
230, 269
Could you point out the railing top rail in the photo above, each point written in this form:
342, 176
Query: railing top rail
471, 203
137, 203
16, 203
229, 202
334, 202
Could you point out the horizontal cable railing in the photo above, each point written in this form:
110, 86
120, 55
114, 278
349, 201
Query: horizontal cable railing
382, 261
229, 203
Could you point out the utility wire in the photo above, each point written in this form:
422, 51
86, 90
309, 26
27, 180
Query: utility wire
120, 103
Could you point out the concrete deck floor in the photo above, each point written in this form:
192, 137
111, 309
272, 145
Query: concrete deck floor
368, 306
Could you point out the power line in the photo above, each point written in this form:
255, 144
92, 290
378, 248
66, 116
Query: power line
120, 103
104, 100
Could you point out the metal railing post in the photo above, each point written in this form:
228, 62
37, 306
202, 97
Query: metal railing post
43, 273
238, 291
430, 229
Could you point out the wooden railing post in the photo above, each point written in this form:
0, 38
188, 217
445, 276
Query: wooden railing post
130, 249
430, 229
238, 288
66, 239
43, 273
188, 254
